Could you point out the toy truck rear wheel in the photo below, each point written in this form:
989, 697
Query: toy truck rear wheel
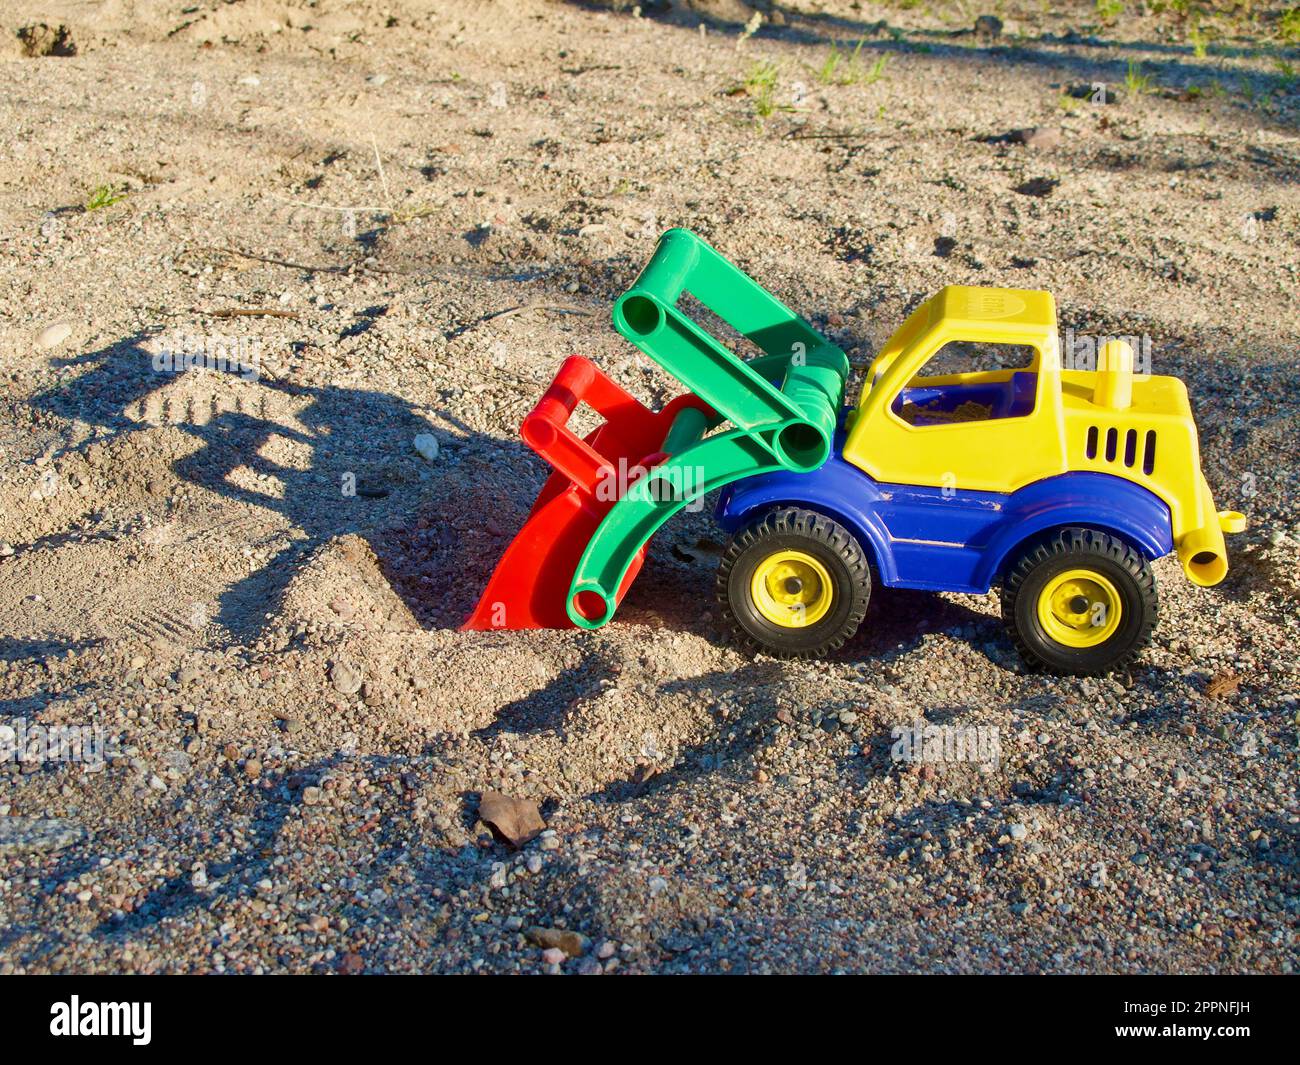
1083, 602
794, 583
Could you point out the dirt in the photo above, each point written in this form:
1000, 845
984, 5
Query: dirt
247, 577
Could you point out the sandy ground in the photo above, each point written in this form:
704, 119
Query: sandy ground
205, 565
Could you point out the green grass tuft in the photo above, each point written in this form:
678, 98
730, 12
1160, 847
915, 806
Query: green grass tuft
1135, 82
1288, 26
847, 68
1109, 10
105, 196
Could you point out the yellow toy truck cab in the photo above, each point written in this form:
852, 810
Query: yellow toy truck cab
1045, 421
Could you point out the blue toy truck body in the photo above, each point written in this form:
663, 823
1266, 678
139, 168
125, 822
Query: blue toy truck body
947, 539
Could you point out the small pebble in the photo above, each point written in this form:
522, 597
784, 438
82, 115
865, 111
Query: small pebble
53, 335
426, 446
346, 677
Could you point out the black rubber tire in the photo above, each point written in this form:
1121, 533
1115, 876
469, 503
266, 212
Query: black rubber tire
1126, 569
825, 540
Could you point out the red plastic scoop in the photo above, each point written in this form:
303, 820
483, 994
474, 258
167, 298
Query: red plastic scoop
530, 585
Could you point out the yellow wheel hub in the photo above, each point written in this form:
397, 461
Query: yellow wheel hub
1079, 608
791, 589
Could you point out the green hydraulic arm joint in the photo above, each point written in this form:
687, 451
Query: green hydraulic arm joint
791, 427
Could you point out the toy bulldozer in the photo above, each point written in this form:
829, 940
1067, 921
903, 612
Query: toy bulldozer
1060, 486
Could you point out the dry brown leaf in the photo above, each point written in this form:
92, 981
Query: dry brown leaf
1222, 685
573, 944
515, 820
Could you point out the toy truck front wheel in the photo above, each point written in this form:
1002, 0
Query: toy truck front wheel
794, 583
1083, 602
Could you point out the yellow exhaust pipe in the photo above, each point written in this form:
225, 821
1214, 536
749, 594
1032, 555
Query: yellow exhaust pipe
1204, 556
1114, 386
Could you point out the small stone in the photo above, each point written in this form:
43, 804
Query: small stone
253, 768
318, 922
199, 878
761, 776
515, 820
53, 335
37, 835
177, 761
6, 549
534, 863
311, 796
553, 956
988, 28
590, 967
346, 677
426, 446
1040, 138
606, 950
1017, 831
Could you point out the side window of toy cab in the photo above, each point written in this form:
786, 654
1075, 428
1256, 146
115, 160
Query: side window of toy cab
970, 381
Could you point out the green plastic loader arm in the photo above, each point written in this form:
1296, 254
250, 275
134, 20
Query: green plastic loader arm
791, 427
